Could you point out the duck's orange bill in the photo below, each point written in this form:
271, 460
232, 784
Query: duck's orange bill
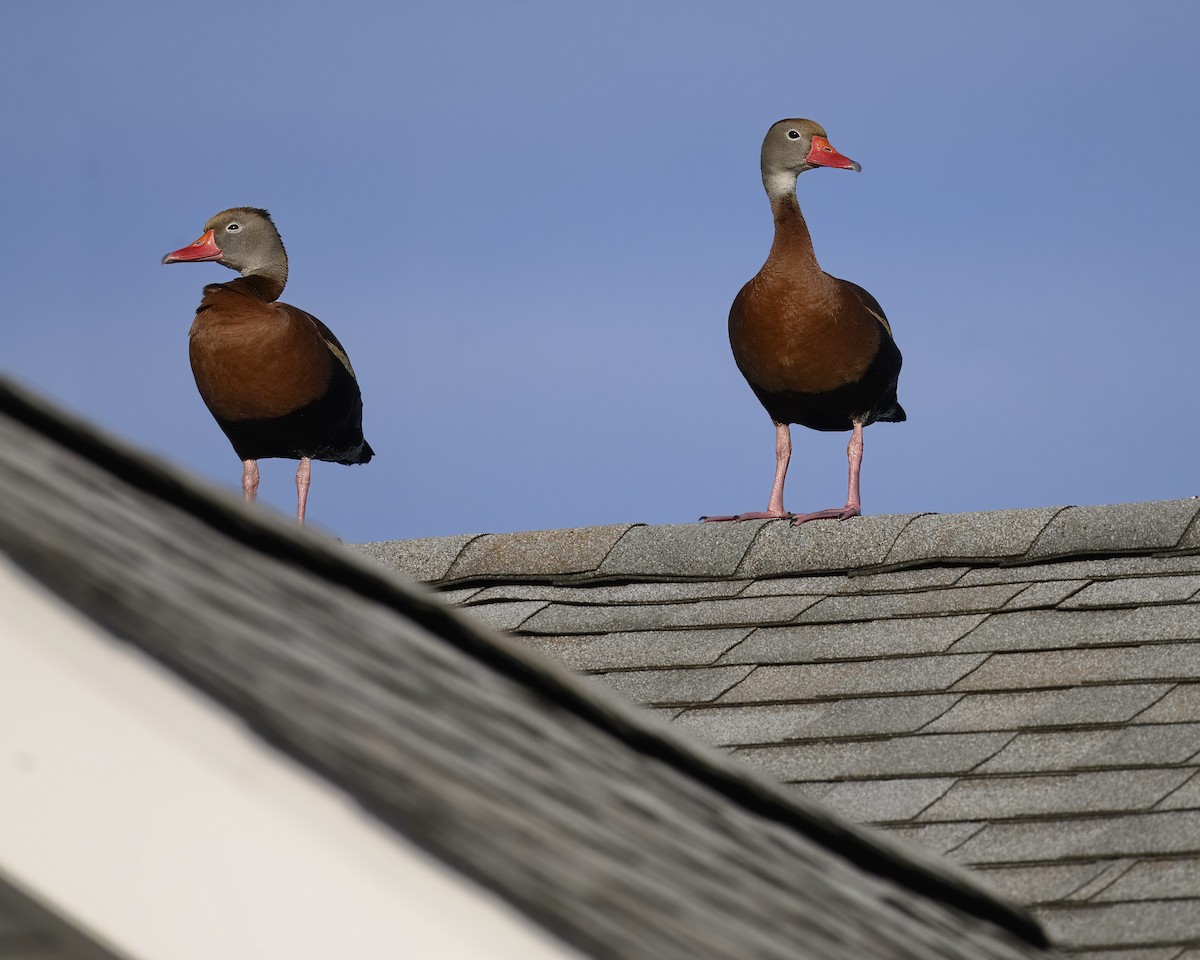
203, 249
822, 154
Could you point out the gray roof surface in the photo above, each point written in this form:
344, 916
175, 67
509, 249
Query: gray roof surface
612, 829
30, 932
1018, 690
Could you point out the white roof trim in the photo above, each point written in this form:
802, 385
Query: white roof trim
152, 820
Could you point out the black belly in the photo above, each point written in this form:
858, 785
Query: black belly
871, 398
328, 428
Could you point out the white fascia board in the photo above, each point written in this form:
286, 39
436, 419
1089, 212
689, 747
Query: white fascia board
151, 819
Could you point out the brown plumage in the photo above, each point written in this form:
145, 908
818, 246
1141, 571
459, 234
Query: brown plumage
815, 350
275, 378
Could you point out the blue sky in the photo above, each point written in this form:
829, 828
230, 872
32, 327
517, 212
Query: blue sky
526, 220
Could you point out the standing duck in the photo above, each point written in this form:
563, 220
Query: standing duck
275, 378
815, 350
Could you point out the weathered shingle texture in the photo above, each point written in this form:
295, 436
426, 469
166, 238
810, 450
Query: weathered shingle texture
614, 831
1018, 690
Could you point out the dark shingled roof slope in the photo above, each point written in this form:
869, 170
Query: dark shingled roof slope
1018, 690
28, 931
617, 833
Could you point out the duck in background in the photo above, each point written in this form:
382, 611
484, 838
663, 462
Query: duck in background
816, 350
275, 378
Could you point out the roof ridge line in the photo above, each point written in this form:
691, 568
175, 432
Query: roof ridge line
1042, 533
899, 533
1009, 537
616, 543
274, 536
565, 576
584, 579
1188, 529
461, 550
745, 553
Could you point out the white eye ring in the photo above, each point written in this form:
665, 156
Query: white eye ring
793, 135
233, 228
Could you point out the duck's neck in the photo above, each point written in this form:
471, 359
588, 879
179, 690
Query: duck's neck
267, 281
265, 266
792, 247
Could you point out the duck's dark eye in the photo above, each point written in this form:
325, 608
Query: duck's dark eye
233, 228
793, 135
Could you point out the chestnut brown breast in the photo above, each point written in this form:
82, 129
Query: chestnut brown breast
801, 333
256, 360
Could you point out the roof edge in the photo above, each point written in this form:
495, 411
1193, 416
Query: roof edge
769, 549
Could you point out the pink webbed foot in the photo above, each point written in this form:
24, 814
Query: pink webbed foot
834, 513
752, 515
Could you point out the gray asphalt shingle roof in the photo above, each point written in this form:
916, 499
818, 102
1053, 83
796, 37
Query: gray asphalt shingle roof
1018, 690
615, 832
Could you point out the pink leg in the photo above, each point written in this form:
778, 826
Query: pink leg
303, 480
783, 455
853, 507
250, 480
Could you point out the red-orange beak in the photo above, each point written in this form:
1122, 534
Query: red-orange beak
203, 249
823, 155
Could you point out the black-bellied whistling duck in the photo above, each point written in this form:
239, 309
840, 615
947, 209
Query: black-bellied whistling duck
815, 350
275, 378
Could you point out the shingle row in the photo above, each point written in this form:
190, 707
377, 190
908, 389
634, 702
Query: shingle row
757, 549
